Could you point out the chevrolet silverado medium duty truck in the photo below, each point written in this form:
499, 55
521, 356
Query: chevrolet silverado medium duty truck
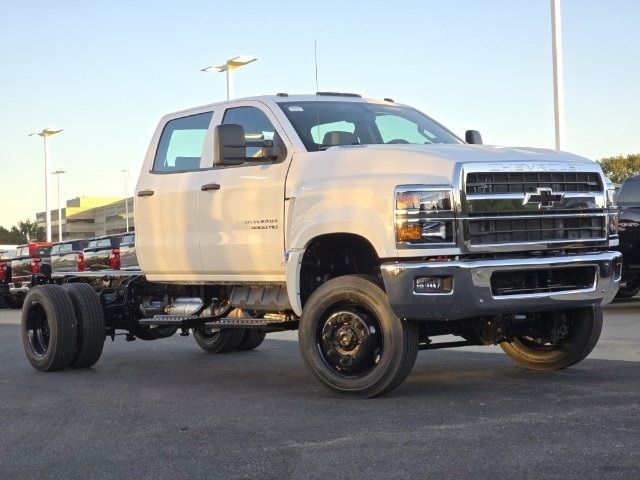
365, 225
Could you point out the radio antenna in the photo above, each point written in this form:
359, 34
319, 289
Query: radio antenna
315, 58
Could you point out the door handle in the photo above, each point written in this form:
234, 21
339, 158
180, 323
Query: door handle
210, 186
146, 193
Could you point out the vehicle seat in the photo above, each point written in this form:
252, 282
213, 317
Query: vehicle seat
187, 163
332, 139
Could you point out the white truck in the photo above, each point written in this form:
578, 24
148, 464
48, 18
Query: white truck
363, 224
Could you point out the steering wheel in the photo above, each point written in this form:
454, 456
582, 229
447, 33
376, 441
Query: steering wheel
397, 140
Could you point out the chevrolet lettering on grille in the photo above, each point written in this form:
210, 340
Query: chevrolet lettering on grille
544, 197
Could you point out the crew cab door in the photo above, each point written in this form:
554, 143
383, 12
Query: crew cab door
166, 208
241, 207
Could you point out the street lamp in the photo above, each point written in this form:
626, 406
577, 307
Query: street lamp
47, 132
57, 173
126, 198
231, 65
558, 78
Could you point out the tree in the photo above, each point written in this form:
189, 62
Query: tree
25, 231
7, 237
621, 167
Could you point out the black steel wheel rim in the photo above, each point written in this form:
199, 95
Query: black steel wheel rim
349, 340
38, 330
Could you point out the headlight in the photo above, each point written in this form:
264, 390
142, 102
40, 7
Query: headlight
612, 194
612, 206
424, 215
613, 224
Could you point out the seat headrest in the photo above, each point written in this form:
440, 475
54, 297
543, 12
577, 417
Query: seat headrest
187, 163
339, 138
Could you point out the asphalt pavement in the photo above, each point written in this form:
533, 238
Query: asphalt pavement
167, 410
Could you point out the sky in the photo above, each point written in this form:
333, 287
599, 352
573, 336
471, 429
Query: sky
107, 71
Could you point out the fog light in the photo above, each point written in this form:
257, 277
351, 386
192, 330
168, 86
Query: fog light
433, 285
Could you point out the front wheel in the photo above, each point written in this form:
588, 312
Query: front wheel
351, 339
630, 289
564, 339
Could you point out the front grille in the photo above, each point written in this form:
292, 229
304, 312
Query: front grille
551, 280
483, 183
547, 228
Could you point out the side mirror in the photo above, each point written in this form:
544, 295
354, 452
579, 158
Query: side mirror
230, 146
473, 137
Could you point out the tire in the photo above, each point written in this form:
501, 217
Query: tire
49, 328
146, 332
584, 327
252, 338
630, 289
221, 341
91, 324
352, 341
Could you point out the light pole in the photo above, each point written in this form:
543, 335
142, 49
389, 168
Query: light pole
57, 173
47, 132
126, 198
230, 65
558, 78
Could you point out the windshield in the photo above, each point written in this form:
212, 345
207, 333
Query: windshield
629, 191
322, 124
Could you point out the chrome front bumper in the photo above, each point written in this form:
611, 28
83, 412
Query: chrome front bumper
472, 294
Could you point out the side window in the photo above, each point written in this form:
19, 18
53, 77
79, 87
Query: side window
257, 126
181, 143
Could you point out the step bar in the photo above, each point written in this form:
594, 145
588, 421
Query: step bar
194, 321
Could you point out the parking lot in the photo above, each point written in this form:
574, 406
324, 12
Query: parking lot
167, 410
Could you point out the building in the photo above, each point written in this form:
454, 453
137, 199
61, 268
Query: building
89, 217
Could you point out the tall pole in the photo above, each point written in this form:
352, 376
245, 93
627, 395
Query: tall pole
228, 67
59, 211
47, 132
558, 79
46, 188
58, 173
126, 198
229, 82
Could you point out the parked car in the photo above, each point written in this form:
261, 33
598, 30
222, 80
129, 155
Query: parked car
103, 253
31, 258
128, 257
6, 299
5, 265
629, 231
68, 256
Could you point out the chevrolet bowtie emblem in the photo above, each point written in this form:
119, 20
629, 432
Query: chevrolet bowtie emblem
544, 197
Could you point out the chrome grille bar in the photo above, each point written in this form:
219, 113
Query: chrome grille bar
482, 183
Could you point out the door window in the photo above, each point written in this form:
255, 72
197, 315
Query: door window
256, 124
181, 143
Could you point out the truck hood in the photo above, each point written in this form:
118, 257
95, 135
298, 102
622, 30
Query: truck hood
463, 153
436, 164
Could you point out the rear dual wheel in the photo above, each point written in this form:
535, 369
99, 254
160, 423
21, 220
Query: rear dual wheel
62, 326
216, 340
227, 340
